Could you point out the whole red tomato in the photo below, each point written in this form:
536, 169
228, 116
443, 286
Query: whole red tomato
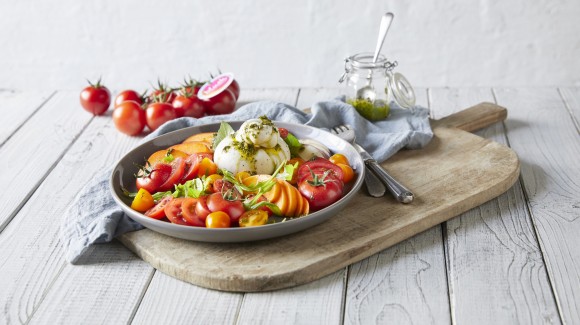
321, 188
96, 98
129, 118
222, 103
234, 87
162, 93
159, 113
188, 106
127, 95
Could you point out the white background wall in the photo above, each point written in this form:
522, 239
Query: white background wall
54, 44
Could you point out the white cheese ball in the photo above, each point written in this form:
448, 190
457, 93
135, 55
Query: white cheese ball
228, 156
260, 134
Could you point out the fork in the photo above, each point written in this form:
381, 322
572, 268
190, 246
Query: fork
373, 169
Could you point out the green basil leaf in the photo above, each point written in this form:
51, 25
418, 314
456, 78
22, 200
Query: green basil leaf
224, 131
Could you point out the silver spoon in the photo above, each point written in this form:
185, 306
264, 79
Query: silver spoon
368, 92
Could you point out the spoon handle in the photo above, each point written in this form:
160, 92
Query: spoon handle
385, 24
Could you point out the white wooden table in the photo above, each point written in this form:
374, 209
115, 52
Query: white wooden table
513, 260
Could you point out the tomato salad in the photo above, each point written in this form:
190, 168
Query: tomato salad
184, 184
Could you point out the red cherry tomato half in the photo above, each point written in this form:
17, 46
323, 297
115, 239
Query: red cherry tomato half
192, 164
173, 211
216, 202
201, 209
129, 118
222, 103
159, 113
177, 170
152, 179
188, 106
127, 95
158, 211
283, 132
188, 207
96, 98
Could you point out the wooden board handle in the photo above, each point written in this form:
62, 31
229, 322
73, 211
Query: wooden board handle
473, 118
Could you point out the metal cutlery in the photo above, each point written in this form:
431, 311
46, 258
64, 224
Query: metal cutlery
374, 170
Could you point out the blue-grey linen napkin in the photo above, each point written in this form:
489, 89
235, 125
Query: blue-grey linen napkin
93, 217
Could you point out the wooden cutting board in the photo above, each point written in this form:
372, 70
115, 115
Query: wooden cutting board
457, 171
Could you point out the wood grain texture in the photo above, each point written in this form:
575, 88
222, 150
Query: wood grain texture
541, 131
495, 267
473, 118
318, 302
172, 301
405, 283
42, 140
572, 100
472, 169
36, 281
17, 107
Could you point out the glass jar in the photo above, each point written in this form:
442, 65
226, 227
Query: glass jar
371, 86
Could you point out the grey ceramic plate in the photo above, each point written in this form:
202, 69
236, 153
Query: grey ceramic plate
124, 171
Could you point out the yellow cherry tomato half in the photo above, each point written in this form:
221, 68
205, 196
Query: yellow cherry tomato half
210, 180
254, 218
339, 158
206, 167
218, 219
347, 172
143, 201
242, 175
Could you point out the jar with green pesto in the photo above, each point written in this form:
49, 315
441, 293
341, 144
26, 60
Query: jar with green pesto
370, 87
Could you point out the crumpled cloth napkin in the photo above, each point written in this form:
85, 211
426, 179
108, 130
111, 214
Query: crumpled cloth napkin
93, 217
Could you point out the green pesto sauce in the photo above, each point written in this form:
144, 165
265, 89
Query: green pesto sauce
369, 110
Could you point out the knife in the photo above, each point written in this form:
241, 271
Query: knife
400, 192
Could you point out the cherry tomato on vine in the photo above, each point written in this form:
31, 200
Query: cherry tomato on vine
222, 103
218, 219
159, 113
188, 106
129, 118
234, 87
127, 95
162, 93
96, 98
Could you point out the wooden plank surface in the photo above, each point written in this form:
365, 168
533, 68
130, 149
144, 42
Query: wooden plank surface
541, 131
42, 140
495, 267
37, 283
17, 107
114, 286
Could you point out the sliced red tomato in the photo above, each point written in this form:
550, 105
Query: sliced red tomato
319, 165
152, 178
201, 209
192, 164
158, 211
177, 171
188, 207
217, 202
173, 211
